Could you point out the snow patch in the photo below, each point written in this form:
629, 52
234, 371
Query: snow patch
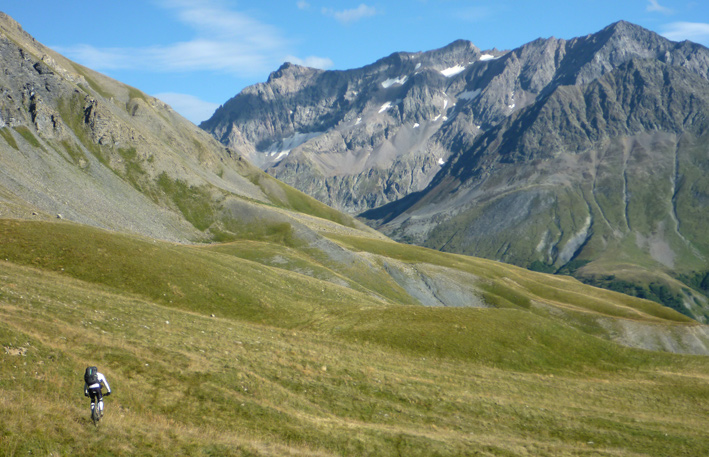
391, 81
418, 65
282, 148
436, 118
441, 161
513, 104
359, 120
452, 71
388, 105
485, 57
469, 94
416, 125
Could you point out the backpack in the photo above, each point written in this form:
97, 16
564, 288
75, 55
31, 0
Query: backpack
91, 376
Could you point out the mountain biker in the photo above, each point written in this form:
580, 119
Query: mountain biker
93, 380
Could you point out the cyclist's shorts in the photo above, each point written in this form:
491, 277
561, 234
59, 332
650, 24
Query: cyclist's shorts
95, 394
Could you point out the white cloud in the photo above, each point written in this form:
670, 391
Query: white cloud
303, 5
693, 31
190, 107
655, 7
351, 15
312, 62
224, 40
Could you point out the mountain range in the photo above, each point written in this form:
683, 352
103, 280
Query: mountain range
235, 315
585, 156
81, 148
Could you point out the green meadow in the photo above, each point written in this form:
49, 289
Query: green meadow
258, 348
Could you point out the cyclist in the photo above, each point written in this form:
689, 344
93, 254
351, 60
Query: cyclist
93, 380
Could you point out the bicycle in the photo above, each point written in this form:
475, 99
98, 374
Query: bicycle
96, 409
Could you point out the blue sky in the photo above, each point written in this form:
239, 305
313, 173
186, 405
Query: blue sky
196, 54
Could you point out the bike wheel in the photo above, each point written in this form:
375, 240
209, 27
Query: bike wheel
95, 415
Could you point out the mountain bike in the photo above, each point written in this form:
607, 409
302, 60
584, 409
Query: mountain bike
96, 412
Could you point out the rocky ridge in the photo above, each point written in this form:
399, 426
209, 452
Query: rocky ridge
354, 139
80, 146
358, 139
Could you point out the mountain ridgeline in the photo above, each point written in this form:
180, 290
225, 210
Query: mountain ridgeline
82, 147
235, 315
96, 155
585, 156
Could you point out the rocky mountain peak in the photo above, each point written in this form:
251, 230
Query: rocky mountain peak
629, 30
456, 49
400, 119
292, 71
458, 45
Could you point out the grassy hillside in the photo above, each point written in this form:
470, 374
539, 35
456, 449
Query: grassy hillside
95, 151
230, 350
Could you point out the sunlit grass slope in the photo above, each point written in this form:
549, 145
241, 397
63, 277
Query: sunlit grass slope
305, 364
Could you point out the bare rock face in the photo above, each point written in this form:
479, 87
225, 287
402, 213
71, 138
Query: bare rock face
606, 181
363, 135
361, 138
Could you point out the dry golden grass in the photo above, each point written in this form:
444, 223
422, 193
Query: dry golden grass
355, 379
199, 386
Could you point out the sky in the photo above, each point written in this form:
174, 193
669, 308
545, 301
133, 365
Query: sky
197, 54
